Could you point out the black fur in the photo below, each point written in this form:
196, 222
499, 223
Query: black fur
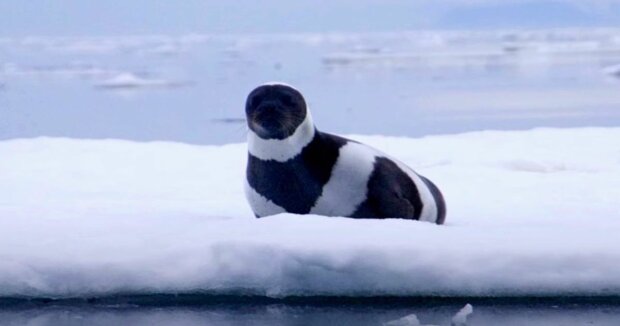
296, 184
391, 193
274, 111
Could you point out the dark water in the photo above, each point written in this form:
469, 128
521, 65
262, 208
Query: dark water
279, 314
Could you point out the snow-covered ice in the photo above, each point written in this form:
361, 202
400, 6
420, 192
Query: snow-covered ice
529, 213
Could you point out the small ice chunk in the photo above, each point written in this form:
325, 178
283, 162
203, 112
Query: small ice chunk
130, 80
409, 320
460, 319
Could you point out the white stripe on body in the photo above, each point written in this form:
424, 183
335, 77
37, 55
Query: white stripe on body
347, 186
429, 206
261, 205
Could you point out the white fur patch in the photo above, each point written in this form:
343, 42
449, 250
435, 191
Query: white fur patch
282, 150
347, 185
261, 205
429, 209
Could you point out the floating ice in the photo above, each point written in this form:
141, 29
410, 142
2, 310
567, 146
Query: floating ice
80, 70
410, 320
130, 80
460, 319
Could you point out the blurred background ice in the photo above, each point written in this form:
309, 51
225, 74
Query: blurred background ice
180, 71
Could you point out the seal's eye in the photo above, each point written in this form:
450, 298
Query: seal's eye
287, 100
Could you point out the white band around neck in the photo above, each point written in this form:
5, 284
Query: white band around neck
282, 150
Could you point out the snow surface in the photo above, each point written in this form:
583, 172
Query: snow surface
529, 213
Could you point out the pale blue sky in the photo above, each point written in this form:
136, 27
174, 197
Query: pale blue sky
78, 17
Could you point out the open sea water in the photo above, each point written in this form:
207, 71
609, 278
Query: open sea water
191, 88
437, 312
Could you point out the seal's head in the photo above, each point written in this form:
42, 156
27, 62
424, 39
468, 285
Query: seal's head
275, 111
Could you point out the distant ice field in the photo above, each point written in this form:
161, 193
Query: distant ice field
191, 88
530, 213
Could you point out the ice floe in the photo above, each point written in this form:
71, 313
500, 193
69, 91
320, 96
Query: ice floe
530, 213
